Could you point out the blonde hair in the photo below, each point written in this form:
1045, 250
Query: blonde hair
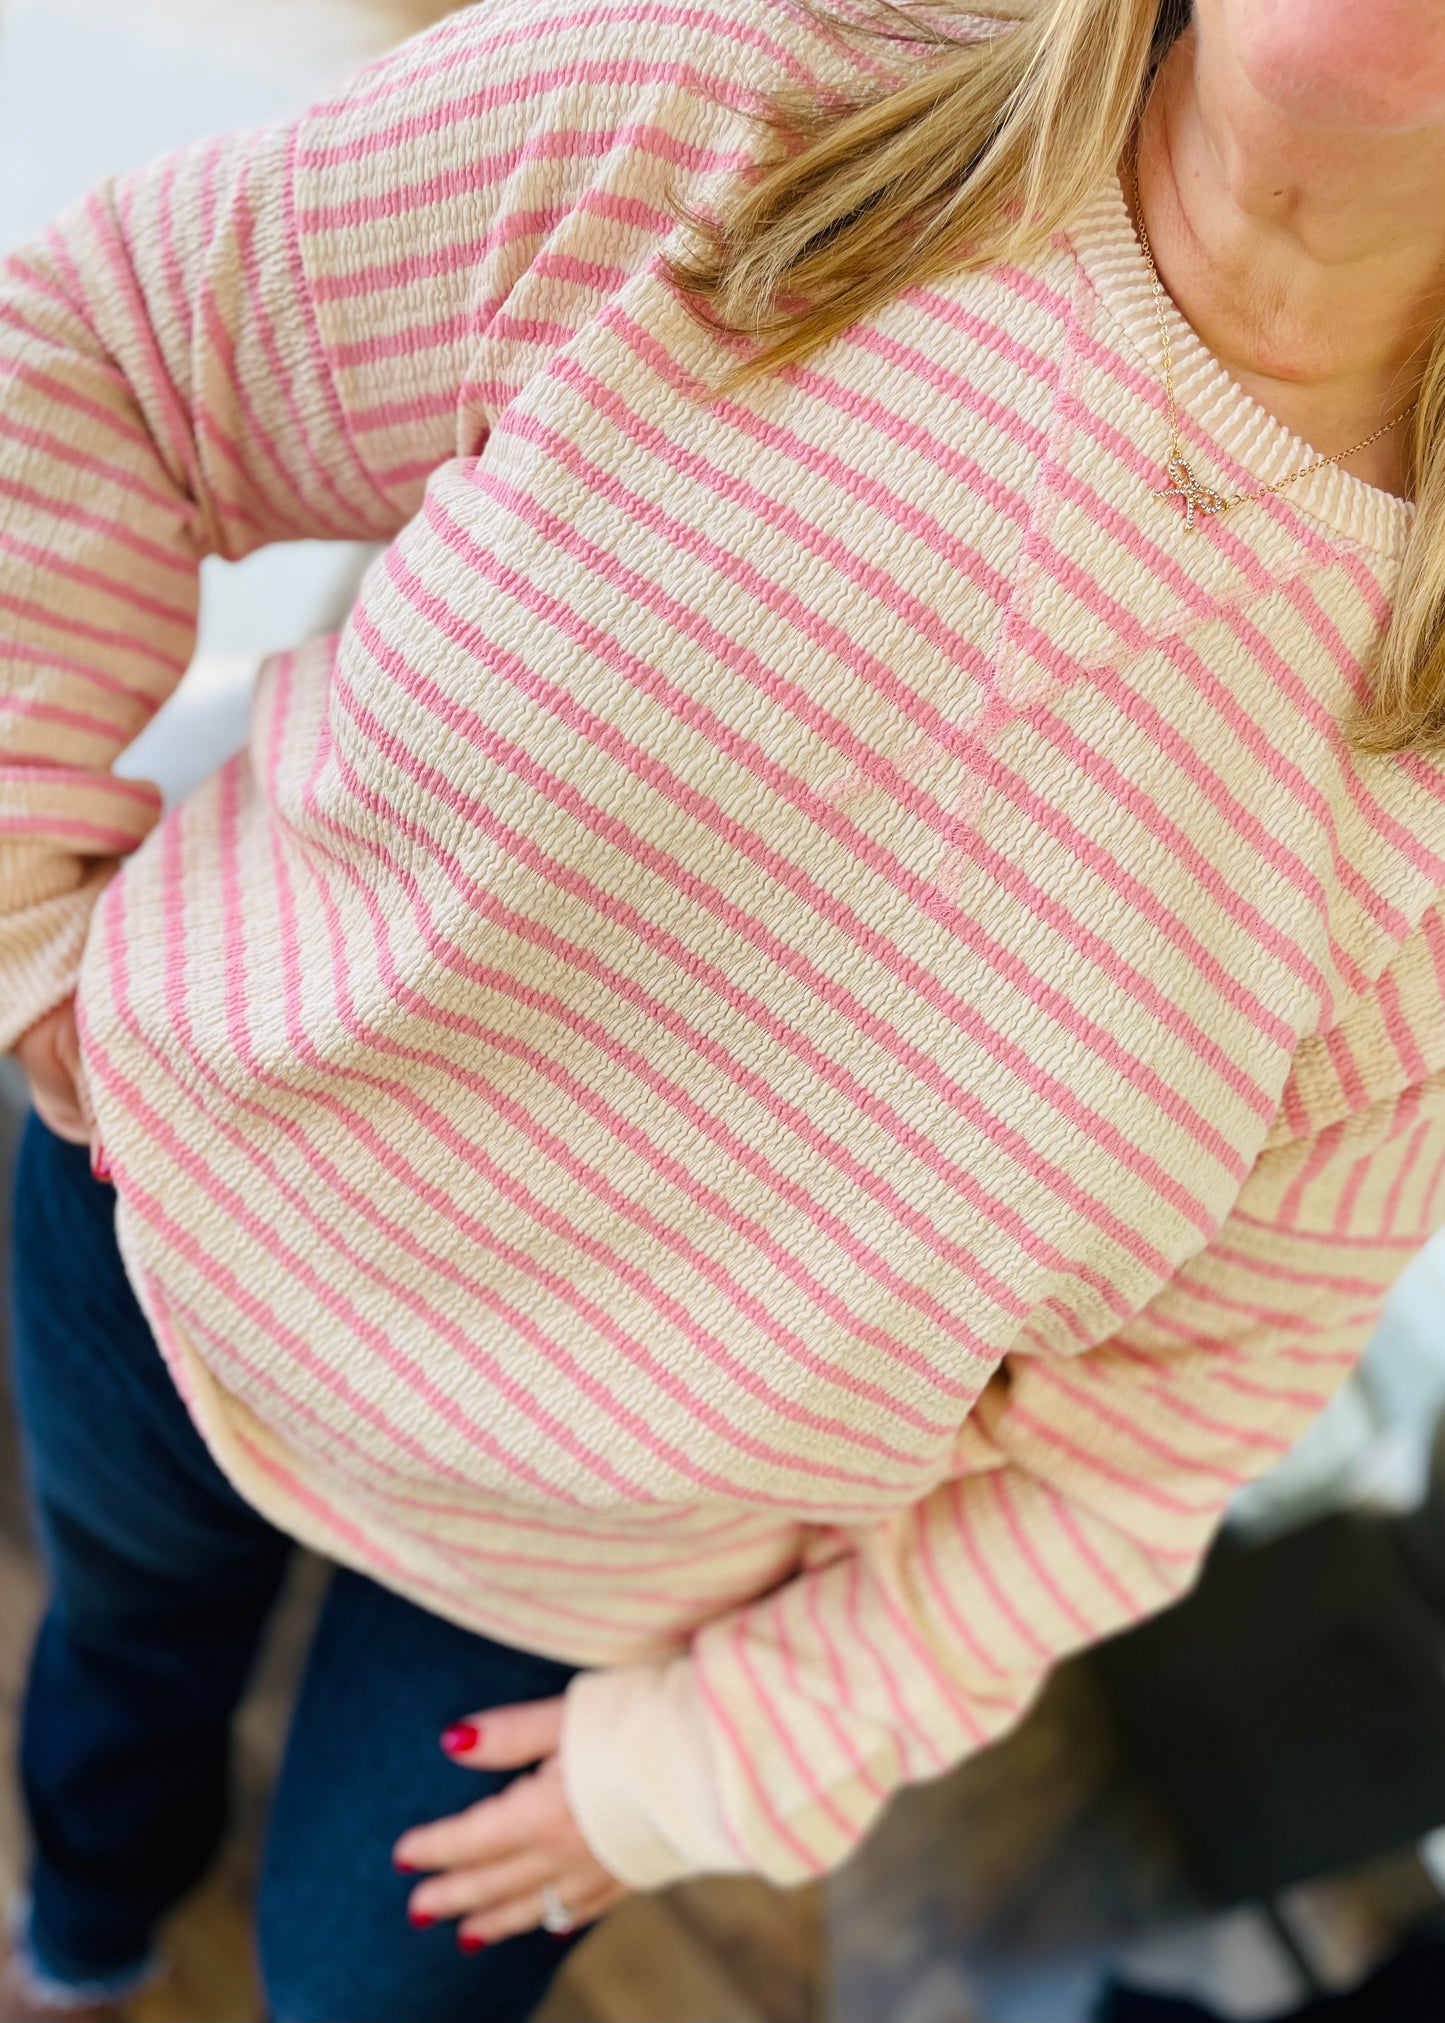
995, 139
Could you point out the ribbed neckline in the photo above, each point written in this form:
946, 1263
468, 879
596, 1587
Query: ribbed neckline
1249, 446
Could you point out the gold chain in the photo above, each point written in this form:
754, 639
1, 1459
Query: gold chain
1197, 497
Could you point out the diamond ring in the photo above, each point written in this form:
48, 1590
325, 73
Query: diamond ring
555, 1915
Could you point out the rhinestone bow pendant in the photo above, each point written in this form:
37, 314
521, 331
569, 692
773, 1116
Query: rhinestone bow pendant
1184, 485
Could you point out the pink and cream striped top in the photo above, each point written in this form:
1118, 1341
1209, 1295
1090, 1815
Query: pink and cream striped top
801, 1043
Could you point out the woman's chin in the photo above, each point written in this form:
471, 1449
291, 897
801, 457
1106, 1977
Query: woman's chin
1341, 65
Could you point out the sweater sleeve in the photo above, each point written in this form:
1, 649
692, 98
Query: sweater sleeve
163, 397
1086, 1491
280, 335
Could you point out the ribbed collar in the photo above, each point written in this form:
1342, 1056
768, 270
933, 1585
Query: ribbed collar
1235, 441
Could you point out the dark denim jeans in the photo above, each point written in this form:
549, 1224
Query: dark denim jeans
162, 1579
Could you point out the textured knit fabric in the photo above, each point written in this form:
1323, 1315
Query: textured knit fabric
802, 1042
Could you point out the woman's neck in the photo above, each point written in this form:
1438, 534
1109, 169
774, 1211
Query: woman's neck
1305, 248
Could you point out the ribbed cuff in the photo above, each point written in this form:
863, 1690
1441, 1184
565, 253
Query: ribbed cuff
32, 998
40, 954
636, 1763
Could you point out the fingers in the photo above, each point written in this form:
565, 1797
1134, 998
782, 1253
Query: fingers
523, 1913
50, 1055
59, 1112
66, 1039
492, 1862
461, 1891
506, 1738
516, 1819
494, 1885
67, 1049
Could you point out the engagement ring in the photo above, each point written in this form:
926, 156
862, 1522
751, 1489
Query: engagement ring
555, 1915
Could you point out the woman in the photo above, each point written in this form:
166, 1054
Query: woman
819, 1025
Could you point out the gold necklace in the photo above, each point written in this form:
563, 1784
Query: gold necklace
1198, 497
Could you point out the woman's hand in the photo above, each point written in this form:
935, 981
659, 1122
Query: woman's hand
496, 1858
49, 1052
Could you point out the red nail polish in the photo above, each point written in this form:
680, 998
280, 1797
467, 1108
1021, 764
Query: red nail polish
470, 1943
406, 1867
462, 1736
99, 1164
421, 1919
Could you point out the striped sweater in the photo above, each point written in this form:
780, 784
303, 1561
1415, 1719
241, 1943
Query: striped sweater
801, 1043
